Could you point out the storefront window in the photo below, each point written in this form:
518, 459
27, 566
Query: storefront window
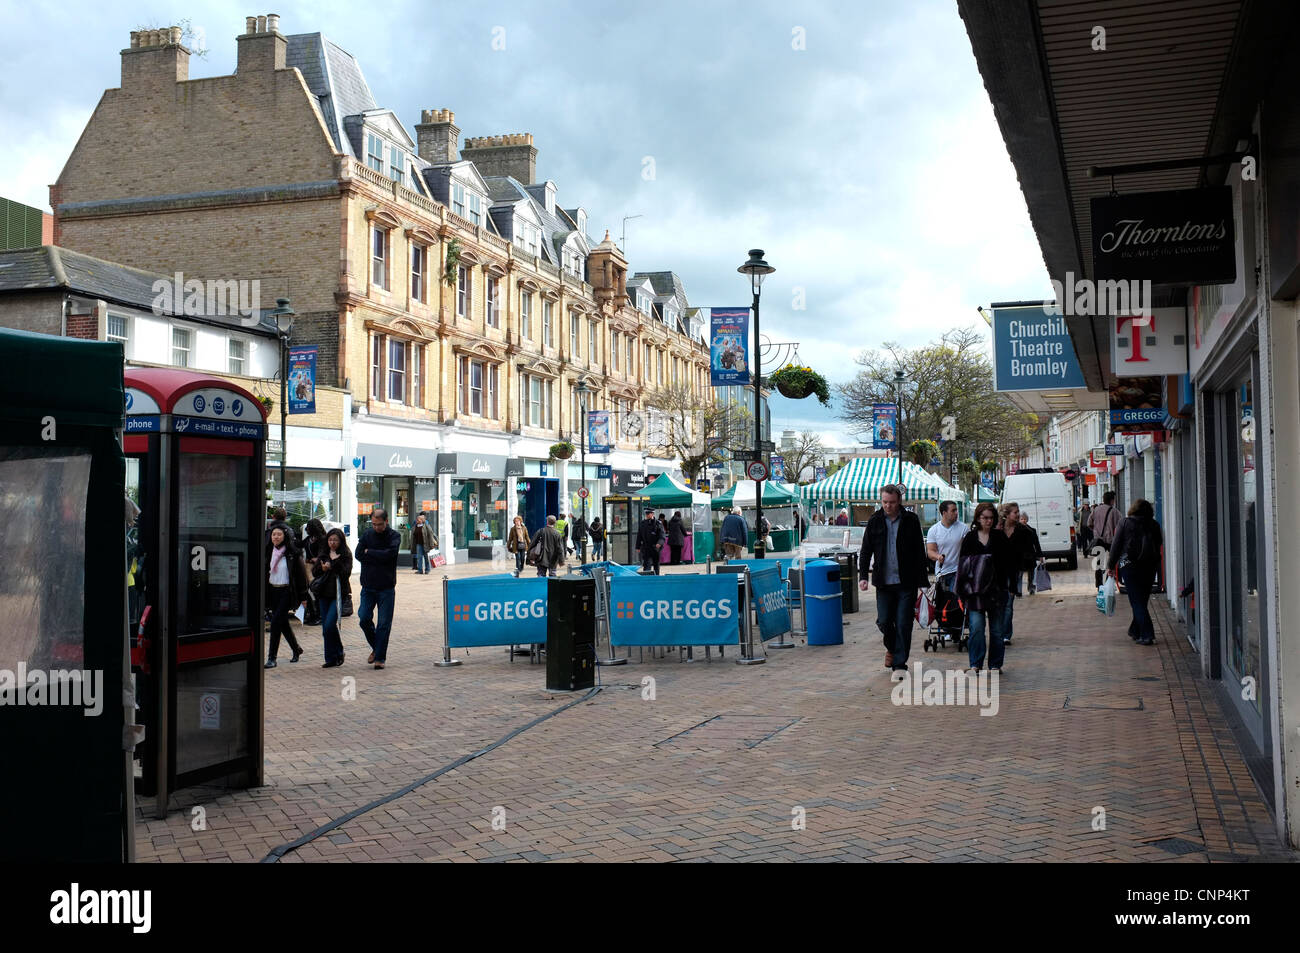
1244, 647
478, 510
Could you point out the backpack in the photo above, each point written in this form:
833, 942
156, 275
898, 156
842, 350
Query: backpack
1142, 549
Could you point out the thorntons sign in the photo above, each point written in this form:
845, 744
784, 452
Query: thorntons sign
1181, 237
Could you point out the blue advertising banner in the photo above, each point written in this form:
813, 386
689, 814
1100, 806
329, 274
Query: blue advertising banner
819, 473
728, 347
770, 603
673, 610
776, 469
496, 610
1032, 351
604, 471
884, 426
987, 480
598, 431
302, 379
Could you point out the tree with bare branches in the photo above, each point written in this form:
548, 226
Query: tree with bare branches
802, 457
696, 430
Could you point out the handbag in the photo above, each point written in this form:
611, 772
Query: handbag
1042, 578
925, 608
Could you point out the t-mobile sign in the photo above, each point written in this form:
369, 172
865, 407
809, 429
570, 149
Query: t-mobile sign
1144, 347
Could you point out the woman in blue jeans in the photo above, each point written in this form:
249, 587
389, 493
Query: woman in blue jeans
1135, 555
983, 585
332, 572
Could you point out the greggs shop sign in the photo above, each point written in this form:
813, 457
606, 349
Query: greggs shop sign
673, 610
1179, 237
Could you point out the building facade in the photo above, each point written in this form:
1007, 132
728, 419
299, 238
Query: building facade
467, 313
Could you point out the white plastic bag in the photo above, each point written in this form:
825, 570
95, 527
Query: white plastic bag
1106, 596
925, 608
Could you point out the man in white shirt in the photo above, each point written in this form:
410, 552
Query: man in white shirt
943, 544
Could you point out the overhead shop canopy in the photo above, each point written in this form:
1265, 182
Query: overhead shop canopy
862, 479
742, 494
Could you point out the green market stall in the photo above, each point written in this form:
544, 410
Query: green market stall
776, 497
666, 493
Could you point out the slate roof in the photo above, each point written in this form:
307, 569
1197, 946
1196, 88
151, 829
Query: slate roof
334, 77
52, 268
555, 230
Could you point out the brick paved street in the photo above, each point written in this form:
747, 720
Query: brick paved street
715, 766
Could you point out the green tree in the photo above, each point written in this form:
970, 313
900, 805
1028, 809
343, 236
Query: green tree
949, 378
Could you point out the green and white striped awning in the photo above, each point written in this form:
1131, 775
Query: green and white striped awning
862, 478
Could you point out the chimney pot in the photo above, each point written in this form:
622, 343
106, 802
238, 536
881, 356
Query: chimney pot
135, 39
174, 35
261, 24
250, 25
273, 22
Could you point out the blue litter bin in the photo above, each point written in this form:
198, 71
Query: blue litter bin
824, 608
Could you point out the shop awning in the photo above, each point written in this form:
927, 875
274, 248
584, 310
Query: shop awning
742, 494
665, 491
862, 478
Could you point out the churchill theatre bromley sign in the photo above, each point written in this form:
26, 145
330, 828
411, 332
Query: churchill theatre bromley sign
1179, 237
1032, 351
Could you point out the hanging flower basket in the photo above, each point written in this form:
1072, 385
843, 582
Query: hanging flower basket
799, 382
922, 452
562, 450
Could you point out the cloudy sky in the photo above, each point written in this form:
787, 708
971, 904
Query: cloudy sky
852, 141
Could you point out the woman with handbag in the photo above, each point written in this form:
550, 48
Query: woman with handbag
286, 587
518, 543
984, 585
1134, 559
332, 572
313, 544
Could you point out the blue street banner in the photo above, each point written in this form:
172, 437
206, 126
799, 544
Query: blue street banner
819, 473
496, 610
770, 603
598, 431
1032, 350
776, 469
604, 471
728, 346
302, 379
987, 480
674, 610
884, 426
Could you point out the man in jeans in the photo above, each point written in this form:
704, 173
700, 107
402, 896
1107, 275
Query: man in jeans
893, 556
377, 554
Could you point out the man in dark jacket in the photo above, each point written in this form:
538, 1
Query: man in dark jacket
1020, 553
549, 545
650, 541
377, 554
735, 535
893, 557
578, 533
677, 534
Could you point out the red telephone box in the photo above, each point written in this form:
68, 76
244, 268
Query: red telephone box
195, 448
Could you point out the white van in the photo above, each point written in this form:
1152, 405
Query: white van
1048, 499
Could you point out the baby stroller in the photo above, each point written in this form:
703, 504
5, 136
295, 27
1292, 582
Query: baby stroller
949, 626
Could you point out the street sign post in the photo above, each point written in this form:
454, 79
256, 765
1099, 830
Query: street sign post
744, 456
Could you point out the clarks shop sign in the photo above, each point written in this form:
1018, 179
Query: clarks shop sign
472, 466
394, 461
1181, 237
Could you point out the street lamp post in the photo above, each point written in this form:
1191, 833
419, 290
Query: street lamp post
582, 490
284, 316
899, 381
757, 269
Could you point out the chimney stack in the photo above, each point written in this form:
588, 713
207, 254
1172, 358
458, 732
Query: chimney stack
262, 47
155, 56
511, 154
436, 136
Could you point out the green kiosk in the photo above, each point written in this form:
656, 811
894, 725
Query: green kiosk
65, 732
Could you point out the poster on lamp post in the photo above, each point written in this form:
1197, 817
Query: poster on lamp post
884, 426
728, 346
302, 380
598, 431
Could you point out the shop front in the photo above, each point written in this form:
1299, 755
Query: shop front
576, 480
400, 480
477, 499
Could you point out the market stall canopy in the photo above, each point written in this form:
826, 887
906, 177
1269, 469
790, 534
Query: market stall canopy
862, 478
984, 494
667, 492
947, 491
742, 494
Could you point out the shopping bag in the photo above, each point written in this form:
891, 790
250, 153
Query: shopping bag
1106, 596
925, 608
439, 559
1042, 578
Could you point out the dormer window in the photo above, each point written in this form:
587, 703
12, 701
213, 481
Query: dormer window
475, 209
375, 153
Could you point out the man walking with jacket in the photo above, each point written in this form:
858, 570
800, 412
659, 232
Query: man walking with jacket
893, 557
1104, 520
377, 554
735, 535
650, 541
550, 548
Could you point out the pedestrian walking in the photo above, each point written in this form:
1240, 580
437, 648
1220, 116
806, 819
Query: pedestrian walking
578, 533
893, 557
1084, 532
984, 587
1036, 559
286, 589
943, 545
597, 531
313, 544
377, 554
677, 534
650, 541
735, 535
1134, 560
1104, 520
422, 543
1020, 554
547, 548
331, 584
518, 543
